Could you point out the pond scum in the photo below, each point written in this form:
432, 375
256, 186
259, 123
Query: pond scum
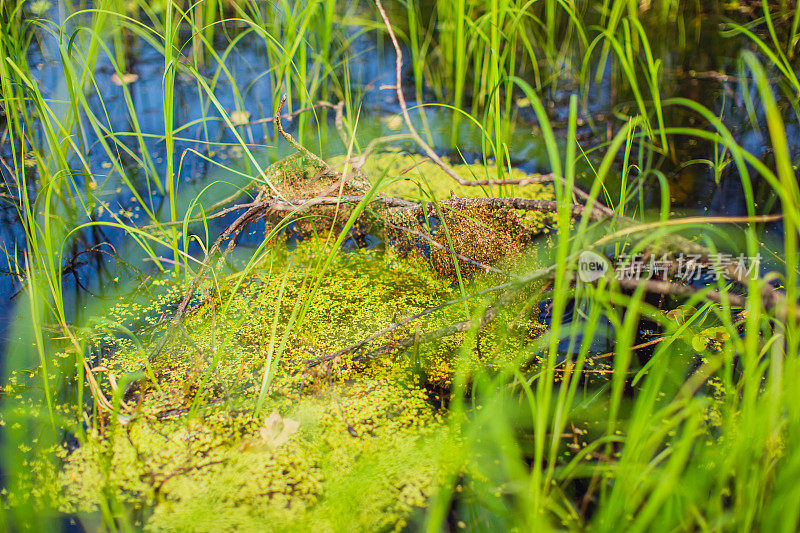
353, 442
334, 442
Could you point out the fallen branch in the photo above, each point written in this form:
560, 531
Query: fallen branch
650, 286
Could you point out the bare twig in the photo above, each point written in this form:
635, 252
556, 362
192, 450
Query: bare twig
637, 228
290, 116
633, 348
360, 344
771, 300
218, 214
398, 87
291, 140
451, 329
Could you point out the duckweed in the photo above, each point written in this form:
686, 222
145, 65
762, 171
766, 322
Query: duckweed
367, 450
235, 426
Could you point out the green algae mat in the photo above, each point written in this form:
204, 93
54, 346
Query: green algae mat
310, 388
314, 383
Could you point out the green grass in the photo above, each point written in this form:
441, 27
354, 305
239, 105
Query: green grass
701, 436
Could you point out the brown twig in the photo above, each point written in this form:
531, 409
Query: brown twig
290, 116
291, 140
633, 348
398, 87
770, 300
218, 214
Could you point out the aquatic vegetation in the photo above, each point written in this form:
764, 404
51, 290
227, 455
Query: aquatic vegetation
410, 352
366, 448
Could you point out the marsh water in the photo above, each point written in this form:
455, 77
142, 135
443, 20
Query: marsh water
702, 65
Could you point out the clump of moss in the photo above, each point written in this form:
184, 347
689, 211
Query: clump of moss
483, 234
479, 235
